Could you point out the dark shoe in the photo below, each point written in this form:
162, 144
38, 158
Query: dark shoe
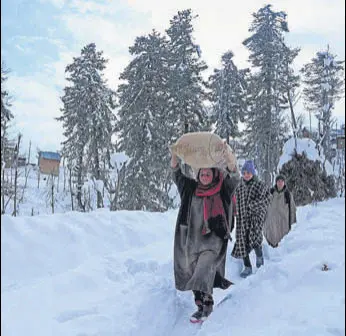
207, 310
198, 295
259, 261
246, 272
208, 304
196, 317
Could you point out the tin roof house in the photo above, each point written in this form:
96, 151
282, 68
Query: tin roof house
49, 163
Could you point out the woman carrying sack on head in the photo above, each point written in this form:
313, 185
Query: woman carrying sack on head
202, 232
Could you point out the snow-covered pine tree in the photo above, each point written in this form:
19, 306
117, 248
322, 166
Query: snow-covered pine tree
266, 124
228, 97
186, 87
6, 114
7, 189
291, 84
143, 127
324, 85
87, 118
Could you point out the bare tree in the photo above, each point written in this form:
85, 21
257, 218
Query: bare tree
29, 153
26, 176
300, 124
50, 192
64, 168
15, 199
38, 166
6, 186
7, 191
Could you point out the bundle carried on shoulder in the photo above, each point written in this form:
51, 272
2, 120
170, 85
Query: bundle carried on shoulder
201, 150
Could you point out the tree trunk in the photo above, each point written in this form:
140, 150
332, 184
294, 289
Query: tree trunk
16, 178
294, 121
3, 191
79, 184
97, 172
186, 126
64, 167
71, 191
52, 190
98, 177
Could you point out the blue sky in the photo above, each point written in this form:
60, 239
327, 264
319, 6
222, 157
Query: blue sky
39, 38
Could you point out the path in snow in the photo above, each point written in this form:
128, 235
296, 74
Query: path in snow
111, 274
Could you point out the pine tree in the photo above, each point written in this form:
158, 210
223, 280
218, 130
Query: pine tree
143, 127
324, 85
162, 96
187, 89
87, 118
270, 57
291, 83
228, 97
6, 115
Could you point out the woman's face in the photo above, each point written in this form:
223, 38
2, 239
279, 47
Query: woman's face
247, 176
280, 184
206, 176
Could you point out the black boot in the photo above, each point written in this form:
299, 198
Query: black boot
197, 315
208, 304
247, 267
259, 256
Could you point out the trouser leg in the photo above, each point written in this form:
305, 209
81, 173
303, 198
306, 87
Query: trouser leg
259, 256
259, 251
198, 296
247, 262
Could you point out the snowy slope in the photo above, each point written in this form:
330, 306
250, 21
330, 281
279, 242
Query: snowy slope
110, 273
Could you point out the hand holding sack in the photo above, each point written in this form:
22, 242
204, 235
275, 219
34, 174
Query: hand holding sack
204, 150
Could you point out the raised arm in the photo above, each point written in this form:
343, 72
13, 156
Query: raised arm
232, 178
231, 182
174, 161
179, 178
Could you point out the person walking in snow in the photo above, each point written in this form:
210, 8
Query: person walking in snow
203, 227
281, 212
253, 198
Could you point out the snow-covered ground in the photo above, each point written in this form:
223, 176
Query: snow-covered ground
111, 273
36, 195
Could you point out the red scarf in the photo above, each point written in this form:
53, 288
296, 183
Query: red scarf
212, 202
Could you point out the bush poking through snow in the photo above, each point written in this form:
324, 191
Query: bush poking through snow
325, 268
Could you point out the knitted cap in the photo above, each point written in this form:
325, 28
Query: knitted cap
249, 167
